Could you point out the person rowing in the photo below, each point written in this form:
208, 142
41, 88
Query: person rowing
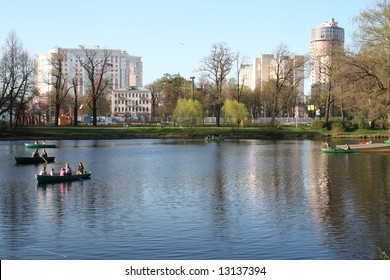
44, 153
35, 153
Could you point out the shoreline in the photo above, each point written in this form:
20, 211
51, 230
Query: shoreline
158, 132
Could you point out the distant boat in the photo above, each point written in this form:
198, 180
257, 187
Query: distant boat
369, 148
337, 151
32, 160
214, 139
47, 179
39, 145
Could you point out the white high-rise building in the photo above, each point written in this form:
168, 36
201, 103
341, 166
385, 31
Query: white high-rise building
125, 70
263, 69
323, 39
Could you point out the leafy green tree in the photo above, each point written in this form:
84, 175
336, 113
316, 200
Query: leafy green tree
360, 77
188, 114
235, 113
371, 63
171, 88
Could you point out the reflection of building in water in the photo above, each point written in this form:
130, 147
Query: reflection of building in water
318, 183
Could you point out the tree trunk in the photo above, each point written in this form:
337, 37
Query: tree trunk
218, 114
75, 113
94, 112
56, 119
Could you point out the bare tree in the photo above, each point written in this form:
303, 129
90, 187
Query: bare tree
286, 75
16, 78
330, 83
59, 81
154, 91
239, 62
96, 64
217, 65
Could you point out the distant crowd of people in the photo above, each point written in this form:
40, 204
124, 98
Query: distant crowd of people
64, 171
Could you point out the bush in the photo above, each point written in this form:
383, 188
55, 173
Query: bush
359, 122
337, 127
317, 124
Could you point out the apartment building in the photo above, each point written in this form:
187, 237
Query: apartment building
263, 69
323, 39
125, 70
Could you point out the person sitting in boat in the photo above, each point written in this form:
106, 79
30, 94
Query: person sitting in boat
80, 168
36, 142
52, 172
43, 171
68, 170
327, 145
347, 147
35, 153
43, 142
62, 171
44, 154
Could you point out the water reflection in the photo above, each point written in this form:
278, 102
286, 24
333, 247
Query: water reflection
344, 203
168, 199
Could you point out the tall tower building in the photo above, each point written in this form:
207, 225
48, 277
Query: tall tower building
323, 39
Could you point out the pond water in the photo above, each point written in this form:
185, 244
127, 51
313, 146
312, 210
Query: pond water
183, 199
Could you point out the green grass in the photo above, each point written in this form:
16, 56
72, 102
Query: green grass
252, 132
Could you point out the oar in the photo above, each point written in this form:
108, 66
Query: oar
44, 159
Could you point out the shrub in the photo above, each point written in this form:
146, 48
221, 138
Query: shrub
317, 124
337, 127
359, 122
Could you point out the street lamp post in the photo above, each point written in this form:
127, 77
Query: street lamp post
192, 78
48, 90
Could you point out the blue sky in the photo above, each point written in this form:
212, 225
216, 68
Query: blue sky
172, 36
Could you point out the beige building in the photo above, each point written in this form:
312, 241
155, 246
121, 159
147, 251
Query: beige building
263, 68
323, 38
134, 102
126, 70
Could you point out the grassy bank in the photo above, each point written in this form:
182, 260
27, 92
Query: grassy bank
119, 132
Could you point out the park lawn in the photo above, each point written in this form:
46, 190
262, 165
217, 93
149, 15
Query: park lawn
121, 132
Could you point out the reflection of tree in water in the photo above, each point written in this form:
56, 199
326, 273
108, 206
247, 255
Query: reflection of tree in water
19, 220
219, 206
219, 195
351, 207
283, 185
